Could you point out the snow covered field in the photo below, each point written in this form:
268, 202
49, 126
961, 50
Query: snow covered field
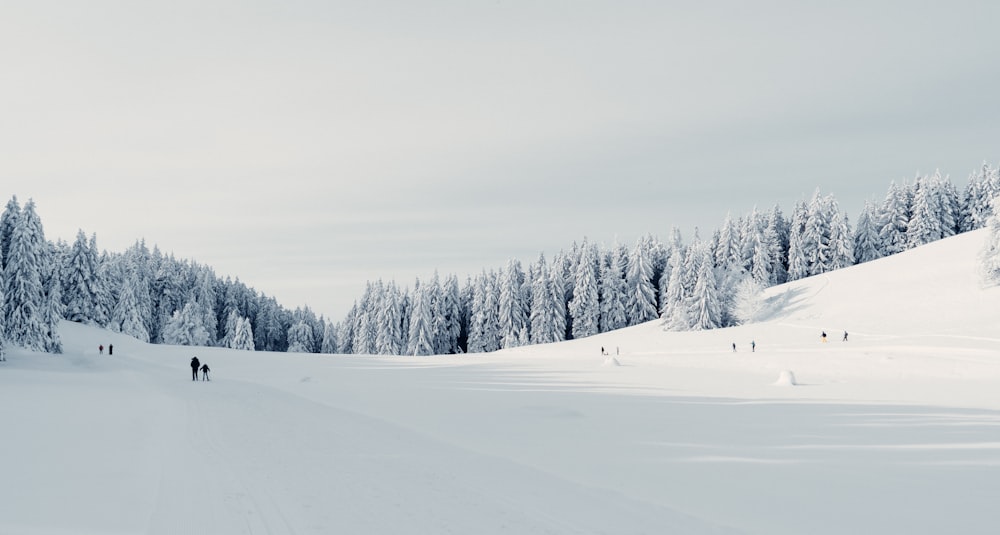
895, 431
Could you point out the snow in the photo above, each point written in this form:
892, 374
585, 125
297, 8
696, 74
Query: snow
895, 431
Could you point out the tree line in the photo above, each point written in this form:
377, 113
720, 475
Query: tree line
143, 293
704, 283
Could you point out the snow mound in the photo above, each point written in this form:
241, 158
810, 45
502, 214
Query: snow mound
786, 378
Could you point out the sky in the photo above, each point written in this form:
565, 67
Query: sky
307, 147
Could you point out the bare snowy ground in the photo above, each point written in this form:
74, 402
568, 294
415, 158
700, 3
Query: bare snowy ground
895, 431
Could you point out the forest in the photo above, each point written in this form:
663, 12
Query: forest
704, 283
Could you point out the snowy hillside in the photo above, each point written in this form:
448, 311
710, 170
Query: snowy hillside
896, 430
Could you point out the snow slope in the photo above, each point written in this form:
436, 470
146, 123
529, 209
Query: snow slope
895, 431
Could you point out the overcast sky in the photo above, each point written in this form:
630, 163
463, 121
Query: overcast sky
309, 146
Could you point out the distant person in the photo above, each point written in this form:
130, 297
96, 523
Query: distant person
823, 336
603, 352
845, 336
753, 346
204, 372
734, 347
111, 349
100, 349
195, 364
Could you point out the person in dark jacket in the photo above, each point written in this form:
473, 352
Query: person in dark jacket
111, 349
195, 364
204, 372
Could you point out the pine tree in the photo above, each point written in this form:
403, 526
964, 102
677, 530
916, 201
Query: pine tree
613, 292
641, 300
560, 308
704, 308
816, 236
329, 344
584, 307
895, 218
24, 294
421, 338
673, 312
448, 326
364, 328
990, 255
513, 319
243, 335
52, 309
300, 338
748, 300
345, 331
798, 264
389, 338
8, 221
841, 239
924, 225
81, 282
867, 242
186, 327
126, 317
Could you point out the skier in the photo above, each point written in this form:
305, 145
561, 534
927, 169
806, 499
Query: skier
734, 347
194, 368
753, 346
204, 372
845, 336
823, 336
111, 349
100, 349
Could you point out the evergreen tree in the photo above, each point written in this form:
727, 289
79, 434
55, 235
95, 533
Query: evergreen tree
329, 344
584, 307
421, 337
704, 307
748, 300
841, 239
613, 292
867, 242
983, 187
641, 300
513, 316
816, 236
8, 221
364, 329
126, 317
52, 309
186, 327
990, 255
925, 224
448, 324
105, 302
895, 218
389, 338
798, 265
345, 331
728, 250
242, 336
25, 301
673, 312
560, 308
81, 282
300, 338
